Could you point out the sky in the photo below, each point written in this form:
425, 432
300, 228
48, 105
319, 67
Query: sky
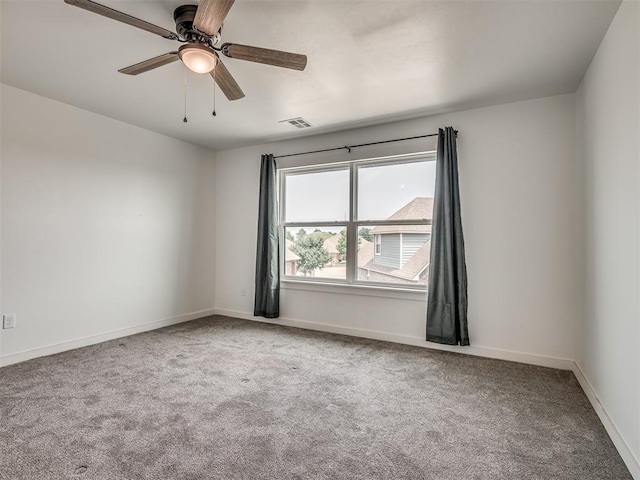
382, 191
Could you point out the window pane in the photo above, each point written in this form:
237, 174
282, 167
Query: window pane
317, 197
398, 192
316, 252
394, 253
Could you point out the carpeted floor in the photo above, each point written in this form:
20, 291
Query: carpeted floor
220, 398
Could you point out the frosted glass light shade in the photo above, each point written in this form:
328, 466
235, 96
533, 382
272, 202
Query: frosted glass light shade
198, 58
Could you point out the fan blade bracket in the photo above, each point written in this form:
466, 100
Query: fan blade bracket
277, 58
113, 14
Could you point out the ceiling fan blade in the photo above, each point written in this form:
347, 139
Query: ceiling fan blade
277, 58
122, 17
211, 14
226, 82
150, 64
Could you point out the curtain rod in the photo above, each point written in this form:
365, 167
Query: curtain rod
349, 147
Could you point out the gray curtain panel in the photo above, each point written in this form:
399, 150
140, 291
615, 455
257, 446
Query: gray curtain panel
447, 298
267, 288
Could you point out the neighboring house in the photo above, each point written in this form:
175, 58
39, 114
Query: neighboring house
331, 246
399, 253
290, 260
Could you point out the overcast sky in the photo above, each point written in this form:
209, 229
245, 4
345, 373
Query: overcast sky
382, 191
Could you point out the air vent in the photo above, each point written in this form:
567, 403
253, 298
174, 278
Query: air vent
298, 122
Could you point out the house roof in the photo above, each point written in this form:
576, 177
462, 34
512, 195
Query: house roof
365, 252
331, 243
417, 209
289, 255
418, 262
409, 271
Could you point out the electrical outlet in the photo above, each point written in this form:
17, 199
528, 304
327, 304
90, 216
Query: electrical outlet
9, 321
243, 292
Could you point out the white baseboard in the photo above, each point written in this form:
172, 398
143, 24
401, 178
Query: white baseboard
614, 433
12, 358
520, 357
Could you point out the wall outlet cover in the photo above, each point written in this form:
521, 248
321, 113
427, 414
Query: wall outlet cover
9, 321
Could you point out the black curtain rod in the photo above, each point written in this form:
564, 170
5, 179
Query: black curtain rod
349, 147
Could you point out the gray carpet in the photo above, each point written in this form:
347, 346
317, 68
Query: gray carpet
221, 398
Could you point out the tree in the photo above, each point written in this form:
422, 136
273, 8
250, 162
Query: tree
312, 253
366, 234
289, 236
320, 234
301, 234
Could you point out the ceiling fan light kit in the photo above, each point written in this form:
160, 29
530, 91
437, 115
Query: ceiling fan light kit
198, 58
199, 27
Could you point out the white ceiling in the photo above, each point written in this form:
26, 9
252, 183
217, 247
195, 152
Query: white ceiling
369, 61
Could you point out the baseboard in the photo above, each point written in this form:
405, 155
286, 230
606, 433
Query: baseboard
12, 358
614, 433
520, 357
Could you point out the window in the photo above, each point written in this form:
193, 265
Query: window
362, 222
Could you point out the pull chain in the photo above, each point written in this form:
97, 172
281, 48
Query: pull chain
214, 92
185, 96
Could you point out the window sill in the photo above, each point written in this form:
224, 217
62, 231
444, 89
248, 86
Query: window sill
361, 290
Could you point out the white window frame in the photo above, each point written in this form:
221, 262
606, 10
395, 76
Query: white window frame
377, 239
351, 225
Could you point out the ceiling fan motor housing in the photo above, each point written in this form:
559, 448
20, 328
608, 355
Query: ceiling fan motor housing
184, 16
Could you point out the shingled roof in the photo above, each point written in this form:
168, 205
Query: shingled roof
290, 256
331, 243
365, 252
417, 209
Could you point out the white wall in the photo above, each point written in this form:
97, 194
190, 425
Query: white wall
608, 109
106, 227
520, 217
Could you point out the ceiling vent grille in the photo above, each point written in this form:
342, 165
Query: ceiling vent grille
297, 122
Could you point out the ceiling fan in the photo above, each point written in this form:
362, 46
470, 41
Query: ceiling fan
199, 27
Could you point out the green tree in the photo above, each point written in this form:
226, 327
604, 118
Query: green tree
320, 234
312, 254
301, 234
289, 236
366, 234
